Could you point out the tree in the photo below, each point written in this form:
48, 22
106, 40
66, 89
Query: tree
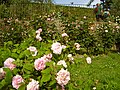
105, 3
115, 8
4, 1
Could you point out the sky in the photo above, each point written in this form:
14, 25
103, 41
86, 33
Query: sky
76, 1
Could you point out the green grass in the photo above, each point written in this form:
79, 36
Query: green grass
103, 73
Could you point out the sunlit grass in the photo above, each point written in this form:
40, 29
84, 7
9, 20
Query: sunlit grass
103, 73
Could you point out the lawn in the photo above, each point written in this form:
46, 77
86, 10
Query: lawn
103, 73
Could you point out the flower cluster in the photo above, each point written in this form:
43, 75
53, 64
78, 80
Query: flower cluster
38, 37
39, 63
33, 50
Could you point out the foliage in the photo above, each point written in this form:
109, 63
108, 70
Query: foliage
102, 73
115, 9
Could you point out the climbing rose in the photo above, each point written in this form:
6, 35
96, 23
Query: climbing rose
8, 63
63, 76
33, 85
33, 50
57, 48
64, 35
16, 81
39, 63
62, 62
2, 73
88, 59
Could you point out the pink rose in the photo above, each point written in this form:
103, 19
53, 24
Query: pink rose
33, 50
77, 45
39, 63
62, 62
64, 35
39, 31
48, 19
8, 63
47, 57
63, 46
33, 85
57, 48
2, 73
38, 37
88, 59
16, 81
63, 76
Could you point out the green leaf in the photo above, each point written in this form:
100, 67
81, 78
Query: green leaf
22, 87
10, 42
52, 82
45, 77
8, 76
46, 71
28, 67
15, 71
14, 55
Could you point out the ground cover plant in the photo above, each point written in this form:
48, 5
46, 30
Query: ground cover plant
58, 50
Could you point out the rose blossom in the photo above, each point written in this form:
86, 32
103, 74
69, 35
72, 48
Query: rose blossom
16, 81
39, 63
2, 73
63, 76
69, 55
88, 59
39, 31
33, 50
64, 35
33, 85
38, 37
57, 48
62, 62
8, 63
63, 46
77, 45
71, 58
48, 57
48, 19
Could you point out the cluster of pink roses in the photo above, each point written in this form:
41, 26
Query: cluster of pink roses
39, 63
17, 81
63, 76
57, 48
38, 37
33, 50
